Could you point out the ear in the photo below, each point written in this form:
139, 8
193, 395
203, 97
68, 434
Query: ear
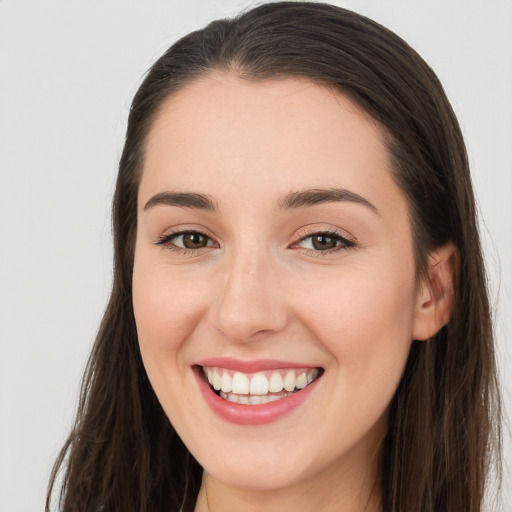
435, 298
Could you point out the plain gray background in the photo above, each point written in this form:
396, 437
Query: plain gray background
68, 70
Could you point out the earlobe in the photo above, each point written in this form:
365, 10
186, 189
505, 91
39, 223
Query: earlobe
435, 298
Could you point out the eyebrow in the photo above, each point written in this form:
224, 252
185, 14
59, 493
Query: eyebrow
298, 199
313, 197
183, 200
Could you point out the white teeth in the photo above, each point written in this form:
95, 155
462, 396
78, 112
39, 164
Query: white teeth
301, 381
226, 383
258, 388
289, 381
259, 385
216, 381
232, 397
253, 399
275, 384
240, 384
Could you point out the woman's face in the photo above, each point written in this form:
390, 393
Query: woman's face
274, 254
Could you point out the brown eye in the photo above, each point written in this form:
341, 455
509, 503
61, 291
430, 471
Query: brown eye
192, 240
323, 242
185, 241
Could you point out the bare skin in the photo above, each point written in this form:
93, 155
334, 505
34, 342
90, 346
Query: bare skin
257, 274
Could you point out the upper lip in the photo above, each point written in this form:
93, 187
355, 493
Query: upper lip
251, 366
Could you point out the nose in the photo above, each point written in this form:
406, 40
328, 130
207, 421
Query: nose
249, 302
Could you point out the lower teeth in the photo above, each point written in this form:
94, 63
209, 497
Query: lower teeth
254, 399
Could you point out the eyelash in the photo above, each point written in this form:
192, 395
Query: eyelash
166, 241
342, 242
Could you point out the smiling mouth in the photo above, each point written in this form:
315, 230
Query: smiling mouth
261, 387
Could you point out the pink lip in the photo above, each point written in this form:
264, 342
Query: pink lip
251, 414
260, 365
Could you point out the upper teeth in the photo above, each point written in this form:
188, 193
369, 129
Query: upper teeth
259, 383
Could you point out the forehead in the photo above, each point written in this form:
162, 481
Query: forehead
244, 106
224, 134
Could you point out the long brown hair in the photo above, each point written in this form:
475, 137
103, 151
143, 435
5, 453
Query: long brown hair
123, 453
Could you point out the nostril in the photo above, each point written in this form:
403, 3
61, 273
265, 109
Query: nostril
243, 314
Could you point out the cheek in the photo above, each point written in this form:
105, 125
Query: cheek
365, 320
365, 324
167, 312
165, 309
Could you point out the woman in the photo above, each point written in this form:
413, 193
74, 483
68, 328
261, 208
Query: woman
298, 318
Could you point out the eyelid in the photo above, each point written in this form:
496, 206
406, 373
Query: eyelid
165, 240
347, 240
313, 229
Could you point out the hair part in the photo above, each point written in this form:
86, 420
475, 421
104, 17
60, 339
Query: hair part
123, 453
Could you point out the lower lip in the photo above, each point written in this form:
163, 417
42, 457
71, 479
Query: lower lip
252, 414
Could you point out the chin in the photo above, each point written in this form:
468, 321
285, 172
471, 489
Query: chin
253, 476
